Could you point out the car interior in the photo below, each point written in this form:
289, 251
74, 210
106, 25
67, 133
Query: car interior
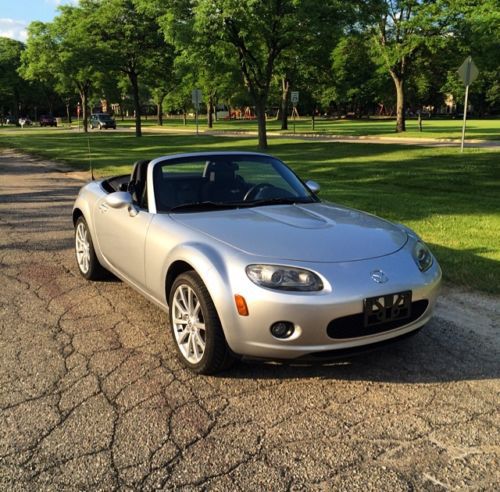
219, 181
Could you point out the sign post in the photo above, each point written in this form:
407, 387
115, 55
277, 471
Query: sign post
294, 97
468, 72
196, 98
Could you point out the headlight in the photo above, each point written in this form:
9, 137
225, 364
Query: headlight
284, 278
422, 256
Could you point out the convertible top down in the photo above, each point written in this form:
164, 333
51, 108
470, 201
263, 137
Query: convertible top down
249, 261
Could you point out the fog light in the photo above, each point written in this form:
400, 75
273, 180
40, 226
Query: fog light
282, 329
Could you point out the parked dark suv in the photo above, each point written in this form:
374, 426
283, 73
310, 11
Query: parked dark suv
102, 120
11, 120
47, 120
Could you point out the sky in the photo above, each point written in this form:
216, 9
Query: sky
15, 15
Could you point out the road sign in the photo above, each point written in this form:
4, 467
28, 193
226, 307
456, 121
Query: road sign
196, 97
294, 97
468, 71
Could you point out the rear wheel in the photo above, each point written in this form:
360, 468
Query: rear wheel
196, 328
87, 261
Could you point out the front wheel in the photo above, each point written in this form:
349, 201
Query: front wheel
196, 328
87, 261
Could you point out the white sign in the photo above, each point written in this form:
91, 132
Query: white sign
196, 97
468, 71
294, 97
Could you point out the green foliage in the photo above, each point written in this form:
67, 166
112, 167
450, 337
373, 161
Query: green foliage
11, 83
343, 55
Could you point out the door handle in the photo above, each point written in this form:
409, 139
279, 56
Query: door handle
103, 208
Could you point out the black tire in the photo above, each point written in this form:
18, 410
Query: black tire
95, 270
100, 126
217, 355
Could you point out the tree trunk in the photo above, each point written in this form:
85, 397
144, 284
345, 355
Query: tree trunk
285, 85
122, 109
210, 112
159, 112
400, 103
184, 116
17, 105
137, 103
68, 115
260, 107
83, 97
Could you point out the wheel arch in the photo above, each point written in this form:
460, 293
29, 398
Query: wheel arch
177, 268
77, 213
206, 262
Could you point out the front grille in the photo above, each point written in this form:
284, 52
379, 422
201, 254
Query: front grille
353, 326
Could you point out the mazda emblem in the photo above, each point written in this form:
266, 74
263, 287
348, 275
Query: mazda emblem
379, 276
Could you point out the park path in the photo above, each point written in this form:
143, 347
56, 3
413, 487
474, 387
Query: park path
320, 137
92, 395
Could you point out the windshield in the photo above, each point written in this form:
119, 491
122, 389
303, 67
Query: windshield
105, 117
226, 181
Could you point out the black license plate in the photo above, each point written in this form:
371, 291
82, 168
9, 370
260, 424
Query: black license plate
390, 307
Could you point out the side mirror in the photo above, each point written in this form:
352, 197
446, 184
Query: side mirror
313, 186
119, 199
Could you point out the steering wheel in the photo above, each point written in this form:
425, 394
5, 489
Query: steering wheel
255, 190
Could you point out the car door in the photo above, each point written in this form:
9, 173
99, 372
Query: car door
121, 238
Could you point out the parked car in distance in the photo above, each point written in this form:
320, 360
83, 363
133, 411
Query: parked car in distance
11, 120
250, 262
102, 120
46, 120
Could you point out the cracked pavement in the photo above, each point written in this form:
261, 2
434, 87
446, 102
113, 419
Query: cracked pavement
92, 395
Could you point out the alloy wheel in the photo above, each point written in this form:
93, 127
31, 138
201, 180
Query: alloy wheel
188, 324
82, 246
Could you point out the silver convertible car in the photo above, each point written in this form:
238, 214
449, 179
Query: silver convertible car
249, 262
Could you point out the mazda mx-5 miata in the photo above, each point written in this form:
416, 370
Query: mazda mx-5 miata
249, 262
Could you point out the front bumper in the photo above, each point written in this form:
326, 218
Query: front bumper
347, 285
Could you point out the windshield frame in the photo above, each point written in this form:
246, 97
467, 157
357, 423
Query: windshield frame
157, 164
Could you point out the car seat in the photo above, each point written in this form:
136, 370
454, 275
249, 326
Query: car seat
220, 183
137, 183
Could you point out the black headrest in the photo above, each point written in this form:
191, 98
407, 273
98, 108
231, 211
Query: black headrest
220, 170
139, 171
138, 179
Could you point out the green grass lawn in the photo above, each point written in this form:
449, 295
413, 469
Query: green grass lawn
452, 200
432, 128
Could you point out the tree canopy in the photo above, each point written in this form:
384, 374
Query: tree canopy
356, 58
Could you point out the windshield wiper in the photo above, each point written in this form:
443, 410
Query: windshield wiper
206, 205
279, 201
209, 205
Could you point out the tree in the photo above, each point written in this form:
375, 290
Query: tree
132, 36
403, 28
256, 32
12, 86
160, 78
356, 82
477, 31
64, 53
305, 65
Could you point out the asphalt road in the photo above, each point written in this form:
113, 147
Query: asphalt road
93, 397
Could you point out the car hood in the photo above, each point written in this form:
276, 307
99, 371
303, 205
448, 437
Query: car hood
316, 232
